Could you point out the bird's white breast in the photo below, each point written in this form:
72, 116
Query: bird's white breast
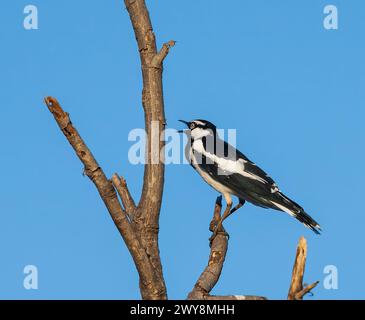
225, 191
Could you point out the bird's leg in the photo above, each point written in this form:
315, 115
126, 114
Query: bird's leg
239, 205
219, 226
226, 214
234, 209
217, 214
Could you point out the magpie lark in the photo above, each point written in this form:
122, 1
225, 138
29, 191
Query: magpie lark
231, 173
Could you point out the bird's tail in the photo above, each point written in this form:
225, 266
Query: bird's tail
285, 204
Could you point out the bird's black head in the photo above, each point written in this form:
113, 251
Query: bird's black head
199, 128
199, 123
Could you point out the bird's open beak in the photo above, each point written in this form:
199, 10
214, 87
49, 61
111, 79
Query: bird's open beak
186, 122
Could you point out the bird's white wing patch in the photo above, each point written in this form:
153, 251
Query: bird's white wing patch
249, 174
285, 209
227, 165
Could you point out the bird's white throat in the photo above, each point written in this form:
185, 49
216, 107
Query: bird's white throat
199, 133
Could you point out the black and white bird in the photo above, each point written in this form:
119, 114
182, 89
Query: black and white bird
231, 173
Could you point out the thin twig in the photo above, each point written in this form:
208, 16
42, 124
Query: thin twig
307, 289
121, 186
161, 55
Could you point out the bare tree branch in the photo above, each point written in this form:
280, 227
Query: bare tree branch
146, 218
110, 198
296, 290
213, 270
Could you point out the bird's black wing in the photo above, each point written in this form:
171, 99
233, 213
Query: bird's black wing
255, 174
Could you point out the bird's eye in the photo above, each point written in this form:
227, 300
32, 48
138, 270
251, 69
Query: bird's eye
192, 126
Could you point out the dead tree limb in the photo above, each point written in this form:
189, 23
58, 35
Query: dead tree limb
211, 274
107, 193
146, 217
297, 290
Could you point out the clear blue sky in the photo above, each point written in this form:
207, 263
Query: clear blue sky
293, 90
